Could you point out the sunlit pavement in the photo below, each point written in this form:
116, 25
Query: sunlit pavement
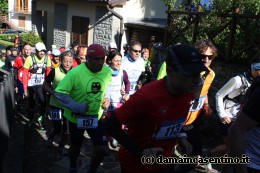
29, 152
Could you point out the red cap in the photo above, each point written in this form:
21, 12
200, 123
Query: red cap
62, 49
96, 50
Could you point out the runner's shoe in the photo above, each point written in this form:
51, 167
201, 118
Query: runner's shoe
113, 143
40, 127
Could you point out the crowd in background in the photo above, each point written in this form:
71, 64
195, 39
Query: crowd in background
147, 101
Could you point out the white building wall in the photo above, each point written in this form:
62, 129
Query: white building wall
13, 16
141, 9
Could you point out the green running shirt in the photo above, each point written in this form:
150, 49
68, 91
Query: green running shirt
84, 86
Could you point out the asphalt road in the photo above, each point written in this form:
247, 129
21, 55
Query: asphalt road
29, 152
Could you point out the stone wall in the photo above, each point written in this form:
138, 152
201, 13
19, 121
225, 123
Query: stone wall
103, 27
60, 25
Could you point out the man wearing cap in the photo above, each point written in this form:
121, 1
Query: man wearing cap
133, 64
82, 91
36, 67
156, 113
201, 104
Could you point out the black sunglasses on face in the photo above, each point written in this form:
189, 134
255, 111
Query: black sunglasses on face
203, 56
136, 51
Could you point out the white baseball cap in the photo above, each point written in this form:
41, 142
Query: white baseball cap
53, 46
56, 52
112, 46
40, 46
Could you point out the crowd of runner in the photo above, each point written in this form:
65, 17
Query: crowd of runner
147, 102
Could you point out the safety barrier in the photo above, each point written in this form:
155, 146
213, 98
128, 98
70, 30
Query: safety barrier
7, 110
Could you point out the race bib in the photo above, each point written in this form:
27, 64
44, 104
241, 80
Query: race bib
36, 79
87, 122
55, 114
170, 130
132, 86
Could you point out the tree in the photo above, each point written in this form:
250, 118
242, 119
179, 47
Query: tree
4, 7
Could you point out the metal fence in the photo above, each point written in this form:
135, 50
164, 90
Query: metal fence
7, 110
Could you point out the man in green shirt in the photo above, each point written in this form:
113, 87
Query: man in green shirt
84, 92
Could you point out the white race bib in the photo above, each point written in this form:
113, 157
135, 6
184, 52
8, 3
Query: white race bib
170, 130
36, 79
87, 122
56, 114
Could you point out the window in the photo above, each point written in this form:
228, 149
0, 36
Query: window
22, 6
21, 21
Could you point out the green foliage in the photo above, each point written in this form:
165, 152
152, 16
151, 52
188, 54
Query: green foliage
4, 7
7, 37
6, 43
247, 30
246, 6
170, 3
30, 38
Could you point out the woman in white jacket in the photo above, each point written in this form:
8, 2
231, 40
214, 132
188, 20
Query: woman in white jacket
229, 100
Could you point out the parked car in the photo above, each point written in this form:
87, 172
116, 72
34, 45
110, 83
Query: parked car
12, 31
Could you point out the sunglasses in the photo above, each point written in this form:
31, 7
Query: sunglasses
136, 51
203, 56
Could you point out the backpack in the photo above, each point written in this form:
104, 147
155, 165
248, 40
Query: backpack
35, 65
245, 79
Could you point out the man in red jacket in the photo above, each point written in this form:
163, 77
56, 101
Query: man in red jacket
156, 113
18, 66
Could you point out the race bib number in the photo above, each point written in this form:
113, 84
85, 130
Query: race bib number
87, 122
36, 79
56, 114
132, 86
169, 130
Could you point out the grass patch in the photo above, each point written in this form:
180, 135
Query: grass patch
6, 43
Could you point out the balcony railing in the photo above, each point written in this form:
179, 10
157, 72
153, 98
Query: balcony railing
23, 10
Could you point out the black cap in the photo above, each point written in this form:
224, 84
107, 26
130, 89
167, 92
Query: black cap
186, 59
14, 49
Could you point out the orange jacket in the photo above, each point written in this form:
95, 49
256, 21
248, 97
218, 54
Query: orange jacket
192, 116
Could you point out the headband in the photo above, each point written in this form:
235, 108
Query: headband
255, 66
